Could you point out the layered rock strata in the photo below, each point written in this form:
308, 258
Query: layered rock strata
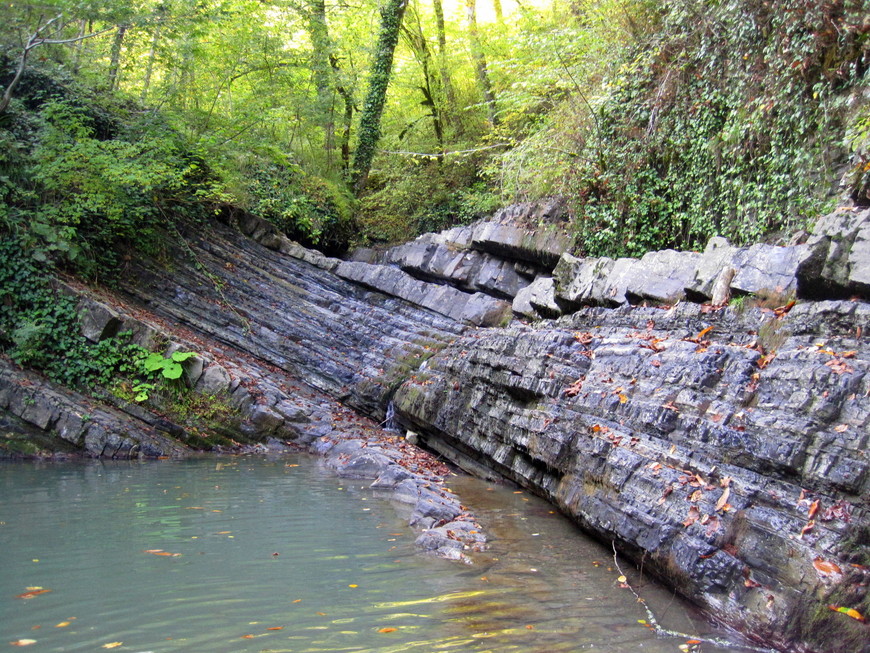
722, 447
740, 477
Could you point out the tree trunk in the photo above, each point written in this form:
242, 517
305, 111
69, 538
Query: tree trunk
480, 70
417, 42
318, 31
382, 65
149, 67
446, 84
349, 108
115, 57
499, 13
77, 55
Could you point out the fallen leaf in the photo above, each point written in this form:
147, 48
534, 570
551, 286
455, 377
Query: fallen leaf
23, 642
276, 628
387, 630
723, 500
806, 529
696, 496
530, 627
296, 600
322, 614
841, 428
248, 636
693, 641
825, 567
814, 508
112, 645
353, 585
622, 398
32, 592
848, 611
63, 624
693, 516
621, 579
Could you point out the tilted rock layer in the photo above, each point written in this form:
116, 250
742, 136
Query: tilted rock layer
724, 448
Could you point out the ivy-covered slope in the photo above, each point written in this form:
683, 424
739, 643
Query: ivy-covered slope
733, 118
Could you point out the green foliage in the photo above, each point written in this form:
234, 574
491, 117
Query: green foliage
39, 327
428, 195
169, 367
723, 118
309, 209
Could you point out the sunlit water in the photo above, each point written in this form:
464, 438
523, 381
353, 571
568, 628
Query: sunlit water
233, 555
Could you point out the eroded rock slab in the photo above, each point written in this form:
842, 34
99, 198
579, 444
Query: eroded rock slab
727, 451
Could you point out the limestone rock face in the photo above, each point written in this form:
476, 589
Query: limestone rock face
730, 472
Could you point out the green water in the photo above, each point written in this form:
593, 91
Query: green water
280, 555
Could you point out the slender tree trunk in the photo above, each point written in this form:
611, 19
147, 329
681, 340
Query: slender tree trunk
115, 58
349, 108
77, 55
499, 13
382, 65
149, 66
417, 41
318, 31
480, 70
446, 83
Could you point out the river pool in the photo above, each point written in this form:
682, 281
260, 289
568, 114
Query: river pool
241, 554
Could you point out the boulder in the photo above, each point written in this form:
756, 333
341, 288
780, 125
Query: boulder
537, 300
581, 281
98, 321
839, 259
768, 270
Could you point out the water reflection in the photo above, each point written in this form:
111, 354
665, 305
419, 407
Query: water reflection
257, 555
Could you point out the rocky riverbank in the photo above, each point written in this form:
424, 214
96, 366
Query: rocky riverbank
708, 412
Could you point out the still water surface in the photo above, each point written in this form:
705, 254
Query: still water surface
239, 555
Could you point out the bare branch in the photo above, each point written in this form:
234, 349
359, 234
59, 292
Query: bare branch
34, 41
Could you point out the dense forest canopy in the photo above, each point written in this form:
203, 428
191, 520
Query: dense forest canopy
662, 123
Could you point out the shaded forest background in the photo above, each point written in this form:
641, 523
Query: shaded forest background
661, 123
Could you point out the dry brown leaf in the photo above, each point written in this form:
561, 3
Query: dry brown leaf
692, 517
723, 500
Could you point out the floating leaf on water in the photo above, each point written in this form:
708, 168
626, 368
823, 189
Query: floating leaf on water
112, 645
275, 628
23, 642
848, 611
387, 630
63, 624
32, 591
353, 585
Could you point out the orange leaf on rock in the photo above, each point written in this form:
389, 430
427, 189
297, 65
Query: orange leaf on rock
826, 567
814, 508
848, 611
